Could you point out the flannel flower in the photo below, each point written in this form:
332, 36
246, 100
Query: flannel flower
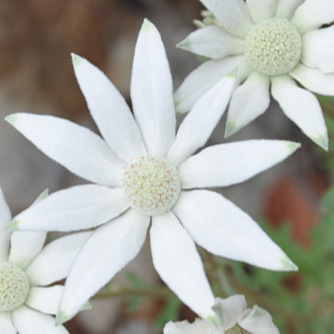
232, 317
271, 43
26, 270
144, 172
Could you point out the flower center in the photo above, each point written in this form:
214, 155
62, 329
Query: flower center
273, 47
14, 287
153, 185
237, 330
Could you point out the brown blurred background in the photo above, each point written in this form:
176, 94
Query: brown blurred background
36, 38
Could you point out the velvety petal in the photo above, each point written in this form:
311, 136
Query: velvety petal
201, 80
314, 80
312, 14
73, 146
109, 110
229, 310
302, 107
262, 10
176, 259
45, 300
28, 321
77, 208
213, 42
258, 320
198, 125
6, 324
318, 49
25, 246
286, 8
152, 91
249, 101
5, 218
106, 252
233, 14
223, 229
53, 263
226, 164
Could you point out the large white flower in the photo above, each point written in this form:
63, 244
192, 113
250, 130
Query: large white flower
271, 43
232, 317
143, 171
26, 270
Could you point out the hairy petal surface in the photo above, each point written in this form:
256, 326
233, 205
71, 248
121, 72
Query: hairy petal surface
233, 14
223, 229
201, 80
286, 8
6, 324
106, 252
152, 91
109, 110
198, 125
213, 42
176, 259
261, 10
318, 49
302, 107
78, 149
226, 164
5, 217
77, 208
53, 263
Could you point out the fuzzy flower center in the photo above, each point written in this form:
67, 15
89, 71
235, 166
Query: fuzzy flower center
152, 185
237, 330
273, 47
14, 287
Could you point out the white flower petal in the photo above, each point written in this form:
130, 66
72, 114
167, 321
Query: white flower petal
314, 80
318, 49
229, 310
199, 326
25, 246
258, 320
223, 229
53, 263
152, 91
261, 10
45, 300
201, 80
28, 321
286, 8
73, 146
249, 101
5, 217
177, 261
302, 107
6, 324
109, 110
106, 252
226, 164
233, 14
312, 14
198, 125
213, 42
77, 208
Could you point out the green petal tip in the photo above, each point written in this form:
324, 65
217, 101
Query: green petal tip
76, 59
147, 25
292, 146
231, 129
11, 119
288, 265
87, 306
62, 317
322, 141
14, 225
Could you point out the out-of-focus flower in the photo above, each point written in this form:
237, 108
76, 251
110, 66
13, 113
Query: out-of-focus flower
145, 172
270, 43
26, 270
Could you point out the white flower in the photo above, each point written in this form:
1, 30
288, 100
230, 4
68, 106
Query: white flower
232, 317
26, 270
145, 172
272, 43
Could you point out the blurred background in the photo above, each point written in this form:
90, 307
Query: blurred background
293, 201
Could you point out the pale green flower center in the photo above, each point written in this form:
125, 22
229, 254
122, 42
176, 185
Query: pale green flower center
152, 185
273, 47
14, 287
237, 330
